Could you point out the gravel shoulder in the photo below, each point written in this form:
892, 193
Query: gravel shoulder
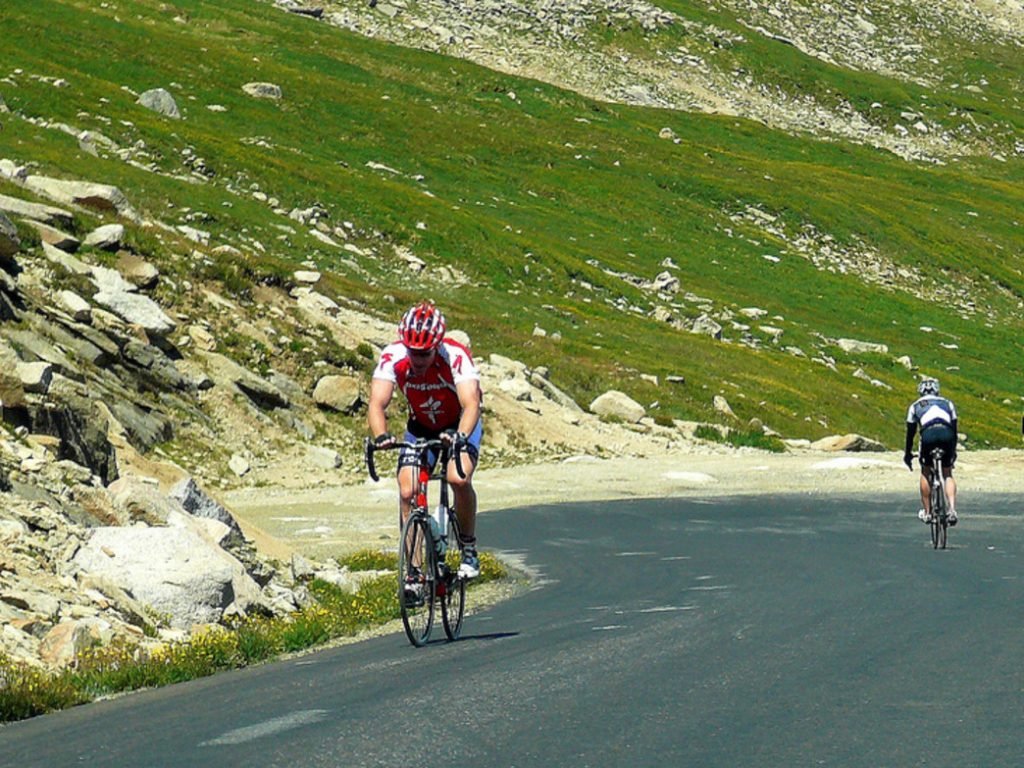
330, 521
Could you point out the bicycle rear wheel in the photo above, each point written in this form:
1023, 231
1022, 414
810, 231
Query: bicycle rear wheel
416, 579
453, 602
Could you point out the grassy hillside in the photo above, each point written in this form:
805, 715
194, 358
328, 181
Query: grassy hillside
555, 208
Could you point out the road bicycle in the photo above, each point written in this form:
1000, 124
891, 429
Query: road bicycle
429, 549
939, 503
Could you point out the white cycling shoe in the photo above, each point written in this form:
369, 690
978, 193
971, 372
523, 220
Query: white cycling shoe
923, 516
469, 568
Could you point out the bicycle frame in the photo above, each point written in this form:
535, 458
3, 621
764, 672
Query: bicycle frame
423, 574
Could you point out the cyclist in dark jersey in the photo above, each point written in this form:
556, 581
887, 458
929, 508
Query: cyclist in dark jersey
936, 418
442, 387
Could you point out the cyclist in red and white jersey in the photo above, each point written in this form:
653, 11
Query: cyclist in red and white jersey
442, 387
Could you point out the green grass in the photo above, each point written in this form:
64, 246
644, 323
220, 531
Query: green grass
28, 691
582, 193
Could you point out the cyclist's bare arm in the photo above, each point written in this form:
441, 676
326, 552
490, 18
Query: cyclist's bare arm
469, 398
381, 391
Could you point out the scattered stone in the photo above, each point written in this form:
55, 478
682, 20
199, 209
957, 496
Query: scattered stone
138, 310
855, 347
107, 238
706, 326
35, 377
10, 243
338, 393
618, 405
323, 458
238, 465
306, 277
850, 442
721, 405
137, 271
101, 197
161, 102
55, 237
263, 90
47, 214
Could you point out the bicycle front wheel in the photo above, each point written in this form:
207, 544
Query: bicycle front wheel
416, 579
939, 524
453, 602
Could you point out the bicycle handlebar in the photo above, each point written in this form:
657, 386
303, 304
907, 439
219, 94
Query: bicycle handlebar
448, 449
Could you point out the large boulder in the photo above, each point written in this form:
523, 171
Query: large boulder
138, 310
101, 197
176, 572
47, 214
161, 102
618, 405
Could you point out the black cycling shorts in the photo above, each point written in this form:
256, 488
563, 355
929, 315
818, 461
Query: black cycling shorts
939, 436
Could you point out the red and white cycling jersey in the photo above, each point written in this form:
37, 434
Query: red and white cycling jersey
432, 396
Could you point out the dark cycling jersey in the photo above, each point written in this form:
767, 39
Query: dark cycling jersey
936, 417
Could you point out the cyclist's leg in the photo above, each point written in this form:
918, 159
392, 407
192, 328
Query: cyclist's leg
928, 444
462, 488
926, 489
947, 474
408, 468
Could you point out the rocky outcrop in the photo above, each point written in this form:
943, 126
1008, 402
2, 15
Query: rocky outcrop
98, 544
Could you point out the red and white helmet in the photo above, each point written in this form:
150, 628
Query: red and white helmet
422, 327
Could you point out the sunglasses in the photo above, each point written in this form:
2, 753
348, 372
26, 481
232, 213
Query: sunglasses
420, 353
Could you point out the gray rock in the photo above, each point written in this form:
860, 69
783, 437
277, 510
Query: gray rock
138, 310
141, 500
263, 90
238, 464
198, 503
107, 279
618, 405
137, 271
47, 214
10, 243
721, 405
174, 571
227, 372
75, 305
107, 238
338, 393
55, 237
706, 326
323, 458
851, 442
855, 347
161, 102
66, 261
101, 197
35, 377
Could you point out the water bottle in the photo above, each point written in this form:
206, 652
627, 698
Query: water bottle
439, 527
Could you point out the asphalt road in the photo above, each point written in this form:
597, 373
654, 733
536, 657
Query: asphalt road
730, 632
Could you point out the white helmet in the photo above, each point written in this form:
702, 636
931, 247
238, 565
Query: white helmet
928, 386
